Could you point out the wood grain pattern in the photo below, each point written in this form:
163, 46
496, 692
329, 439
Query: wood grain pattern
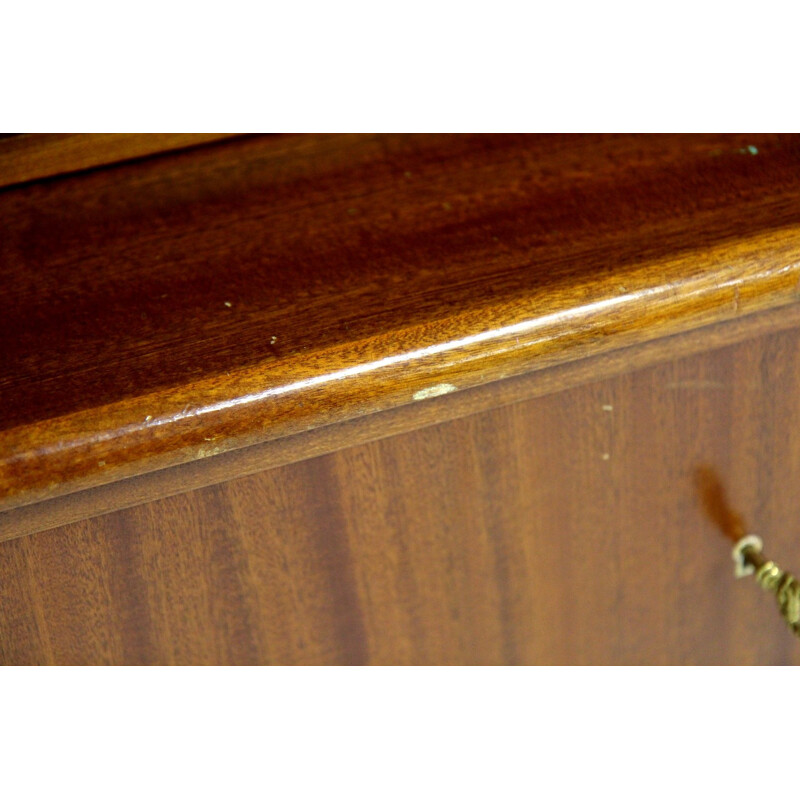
64, 509
171, 310
560, 529
33, 156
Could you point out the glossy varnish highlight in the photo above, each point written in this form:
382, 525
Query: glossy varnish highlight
164, 311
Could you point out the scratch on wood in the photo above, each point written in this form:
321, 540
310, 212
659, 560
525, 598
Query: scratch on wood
434, 391
699, 384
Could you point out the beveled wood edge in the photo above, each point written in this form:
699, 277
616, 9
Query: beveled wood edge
33, 156
92, 502
473, 347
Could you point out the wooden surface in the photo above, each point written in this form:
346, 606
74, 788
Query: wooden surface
168, 310
32, 156
61, 510
561, 529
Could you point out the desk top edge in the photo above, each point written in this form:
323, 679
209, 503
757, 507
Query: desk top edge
314, 279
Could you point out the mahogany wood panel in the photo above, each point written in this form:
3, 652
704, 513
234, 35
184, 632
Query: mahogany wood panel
32, 156
560, 529
168, 310
133, 491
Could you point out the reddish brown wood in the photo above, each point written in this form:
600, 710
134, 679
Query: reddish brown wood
560, 529
330, 438
160, 312
32, 156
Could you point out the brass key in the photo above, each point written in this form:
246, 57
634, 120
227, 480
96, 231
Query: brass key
749, 559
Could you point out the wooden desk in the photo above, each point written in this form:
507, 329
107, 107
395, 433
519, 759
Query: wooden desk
399, 399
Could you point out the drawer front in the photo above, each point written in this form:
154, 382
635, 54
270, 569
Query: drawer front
563, 529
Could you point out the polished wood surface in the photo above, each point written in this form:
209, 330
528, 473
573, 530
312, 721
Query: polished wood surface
169, 310
566, 528
33, 156
61, 510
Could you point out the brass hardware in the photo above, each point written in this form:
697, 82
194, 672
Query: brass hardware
749, 559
